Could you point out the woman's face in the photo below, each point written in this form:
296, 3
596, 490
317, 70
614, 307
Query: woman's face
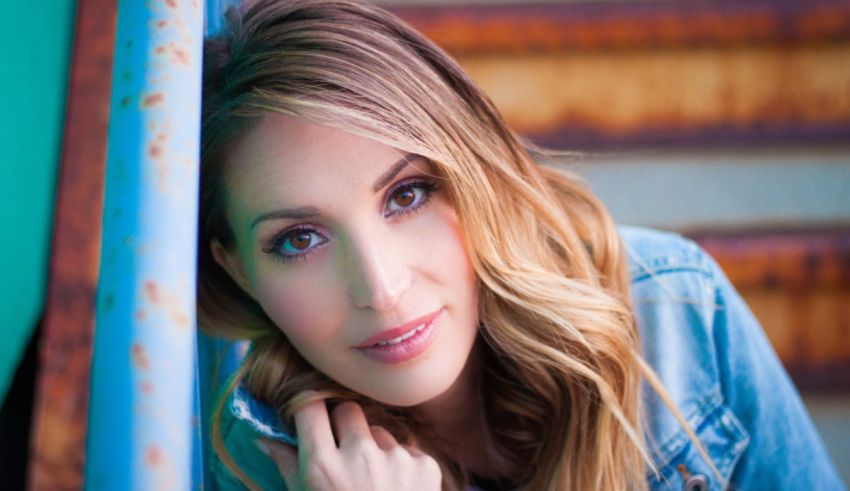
355, 252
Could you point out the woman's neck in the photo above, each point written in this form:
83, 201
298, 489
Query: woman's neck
456, 419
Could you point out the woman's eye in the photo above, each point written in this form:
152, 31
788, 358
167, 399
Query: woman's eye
409, 196
296, 243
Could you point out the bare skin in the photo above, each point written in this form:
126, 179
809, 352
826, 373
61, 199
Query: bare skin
338, 243
367, 457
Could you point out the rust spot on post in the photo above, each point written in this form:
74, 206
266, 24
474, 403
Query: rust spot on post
146, 387
154, 150
161, 24
152, 99
152, 292
154, 456
139, 356
180, 56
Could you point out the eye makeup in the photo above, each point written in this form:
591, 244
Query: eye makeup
404, 198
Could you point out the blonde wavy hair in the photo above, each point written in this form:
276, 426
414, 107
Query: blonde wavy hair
560, 367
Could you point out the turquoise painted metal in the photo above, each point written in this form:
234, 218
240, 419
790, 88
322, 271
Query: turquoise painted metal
143, 428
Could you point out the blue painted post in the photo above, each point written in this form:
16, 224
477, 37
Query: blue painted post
141, 427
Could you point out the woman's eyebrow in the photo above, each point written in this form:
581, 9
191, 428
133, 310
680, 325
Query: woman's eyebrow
310, 212
300, 213
393, 171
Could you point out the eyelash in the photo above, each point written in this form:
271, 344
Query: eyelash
427, 186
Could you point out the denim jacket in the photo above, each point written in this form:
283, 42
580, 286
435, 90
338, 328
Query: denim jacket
708, 351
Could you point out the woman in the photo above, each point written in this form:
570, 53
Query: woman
430, 307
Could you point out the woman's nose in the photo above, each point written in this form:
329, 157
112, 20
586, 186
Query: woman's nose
376, 274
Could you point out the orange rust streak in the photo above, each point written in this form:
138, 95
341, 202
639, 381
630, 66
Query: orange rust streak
787, 260
60, 411
626, 92
511, 28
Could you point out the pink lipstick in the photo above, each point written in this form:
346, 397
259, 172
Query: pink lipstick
402, 343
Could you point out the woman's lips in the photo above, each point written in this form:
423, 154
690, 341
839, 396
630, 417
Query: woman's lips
402, 343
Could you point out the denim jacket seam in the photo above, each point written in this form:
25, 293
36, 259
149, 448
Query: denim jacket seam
674, 445
683, 260
741, 437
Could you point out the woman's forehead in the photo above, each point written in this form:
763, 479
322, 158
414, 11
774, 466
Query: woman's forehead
301, 150
288, 160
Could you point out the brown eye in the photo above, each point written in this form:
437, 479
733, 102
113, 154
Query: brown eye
300, 241
409, 196
404, 197
296, 243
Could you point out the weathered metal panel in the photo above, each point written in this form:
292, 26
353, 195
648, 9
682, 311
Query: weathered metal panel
526, 27
141, 434
623, 73
61, 405
691, 94
798, 285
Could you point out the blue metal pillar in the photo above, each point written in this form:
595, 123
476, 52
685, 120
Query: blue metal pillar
141, 425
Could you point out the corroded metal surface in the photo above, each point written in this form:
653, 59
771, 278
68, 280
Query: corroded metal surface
692, 94
618, 74
523, 28
60, 412
141, 427
792, 260
798, 285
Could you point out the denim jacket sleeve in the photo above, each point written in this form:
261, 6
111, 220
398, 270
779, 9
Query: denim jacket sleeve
718, 367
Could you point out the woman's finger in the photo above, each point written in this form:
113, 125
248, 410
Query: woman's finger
314, 429
384, 439
414, 451
286, 459
350, 423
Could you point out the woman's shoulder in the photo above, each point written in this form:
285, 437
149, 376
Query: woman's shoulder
652, 252
674, 286
715, 362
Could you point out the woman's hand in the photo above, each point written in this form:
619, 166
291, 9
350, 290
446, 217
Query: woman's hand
366, 458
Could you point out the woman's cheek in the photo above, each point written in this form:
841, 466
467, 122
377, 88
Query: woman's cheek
300, 310
449, 253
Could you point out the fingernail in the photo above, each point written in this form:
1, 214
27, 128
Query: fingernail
263, 447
